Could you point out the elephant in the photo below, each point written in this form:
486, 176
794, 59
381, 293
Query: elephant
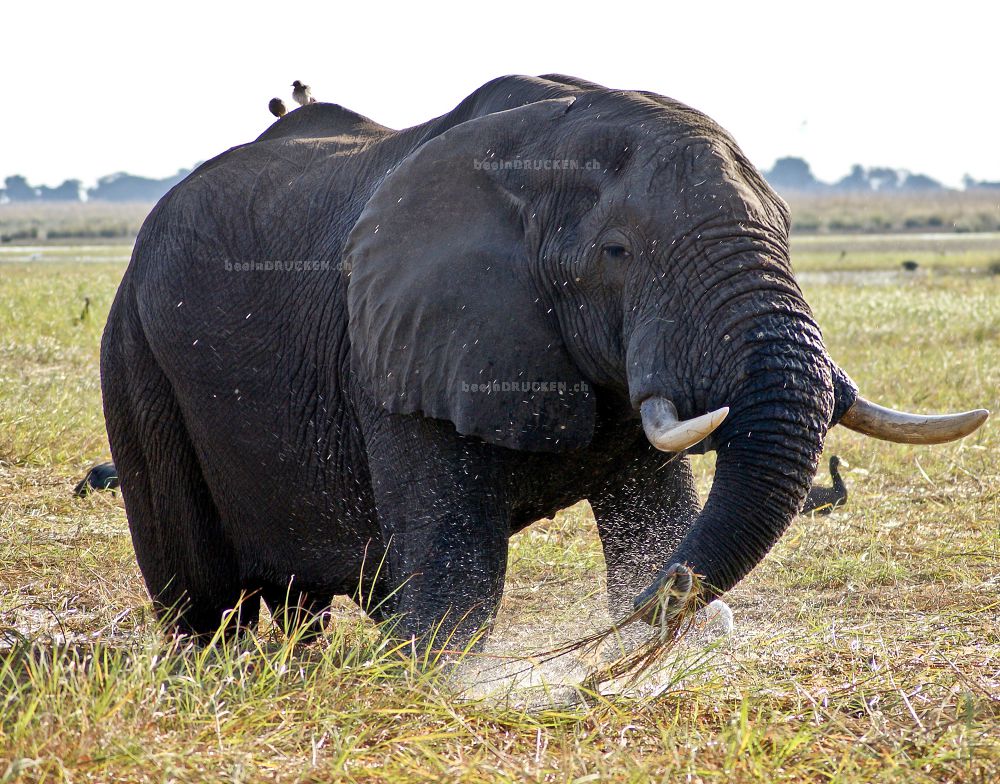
351, 360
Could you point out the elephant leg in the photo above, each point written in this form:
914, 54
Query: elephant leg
642, 512
300, 614
446, 522
186, 559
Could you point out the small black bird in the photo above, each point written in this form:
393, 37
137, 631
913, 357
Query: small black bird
103, 476
824, 500
85, 312
277, 107
302, 93
910, 265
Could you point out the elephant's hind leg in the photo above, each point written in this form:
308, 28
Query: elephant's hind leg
187, 561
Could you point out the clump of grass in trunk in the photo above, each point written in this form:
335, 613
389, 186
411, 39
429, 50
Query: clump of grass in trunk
673, 612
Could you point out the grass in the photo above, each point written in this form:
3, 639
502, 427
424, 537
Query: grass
31, 223
934, 254
866, 644
941, 211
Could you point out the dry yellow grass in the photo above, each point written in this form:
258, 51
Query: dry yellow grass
29, 222
934, 211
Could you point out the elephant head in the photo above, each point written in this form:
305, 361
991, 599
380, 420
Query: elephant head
615, 244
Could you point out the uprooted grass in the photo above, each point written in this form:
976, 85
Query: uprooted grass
866, 645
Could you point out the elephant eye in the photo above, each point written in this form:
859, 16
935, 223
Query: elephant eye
615, 252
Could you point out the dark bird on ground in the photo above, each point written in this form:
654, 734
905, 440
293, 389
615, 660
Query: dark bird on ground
85, 312
824, 500
302, 93
277, 107
910, 265
103, 476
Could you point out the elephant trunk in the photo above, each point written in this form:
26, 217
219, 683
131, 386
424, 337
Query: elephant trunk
761, 480
753, 380
780, 387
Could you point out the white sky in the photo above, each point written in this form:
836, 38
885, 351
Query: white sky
87, 89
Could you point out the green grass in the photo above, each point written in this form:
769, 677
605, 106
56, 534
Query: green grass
866, 644
935, 254
50, 403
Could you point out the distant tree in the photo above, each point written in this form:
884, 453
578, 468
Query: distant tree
975, 185
857, 180
920, 182
792, 174
70, 190
128, 187
16, 188
881, 178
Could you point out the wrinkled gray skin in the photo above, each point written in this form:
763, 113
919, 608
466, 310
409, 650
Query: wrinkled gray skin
320, 428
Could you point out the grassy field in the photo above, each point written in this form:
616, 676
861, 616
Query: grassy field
866, 645
885, 253
108, 222
935, 211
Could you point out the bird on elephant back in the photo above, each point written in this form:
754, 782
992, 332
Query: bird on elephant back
347, 359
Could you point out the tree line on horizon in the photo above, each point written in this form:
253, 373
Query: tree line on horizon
789, 174
117, 187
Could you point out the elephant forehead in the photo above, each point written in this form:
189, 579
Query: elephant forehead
698, 179
689, 162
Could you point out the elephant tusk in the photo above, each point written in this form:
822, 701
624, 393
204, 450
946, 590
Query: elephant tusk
878, 422
668, 433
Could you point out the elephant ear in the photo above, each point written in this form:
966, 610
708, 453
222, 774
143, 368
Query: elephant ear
445, 319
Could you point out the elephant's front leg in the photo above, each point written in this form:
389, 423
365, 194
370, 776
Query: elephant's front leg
444, 517
642, 511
